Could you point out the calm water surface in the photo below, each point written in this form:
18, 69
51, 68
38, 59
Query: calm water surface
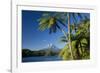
41, 58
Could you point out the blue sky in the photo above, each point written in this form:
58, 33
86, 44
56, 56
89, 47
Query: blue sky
32, 37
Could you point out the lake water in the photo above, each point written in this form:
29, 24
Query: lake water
41, 58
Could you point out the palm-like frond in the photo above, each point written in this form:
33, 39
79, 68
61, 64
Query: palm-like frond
48, 21
54, 21
63, 39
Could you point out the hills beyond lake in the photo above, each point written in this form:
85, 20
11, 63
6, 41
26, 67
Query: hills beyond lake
67, 35
51, 50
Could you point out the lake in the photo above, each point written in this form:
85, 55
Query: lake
41, 58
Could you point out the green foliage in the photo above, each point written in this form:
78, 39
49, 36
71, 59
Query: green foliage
65, 53
51, 22
63, 39
79, 33
80, 42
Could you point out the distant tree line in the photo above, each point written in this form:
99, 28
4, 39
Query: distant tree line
30, 53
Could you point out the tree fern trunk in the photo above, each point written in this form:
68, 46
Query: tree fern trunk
69, 36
